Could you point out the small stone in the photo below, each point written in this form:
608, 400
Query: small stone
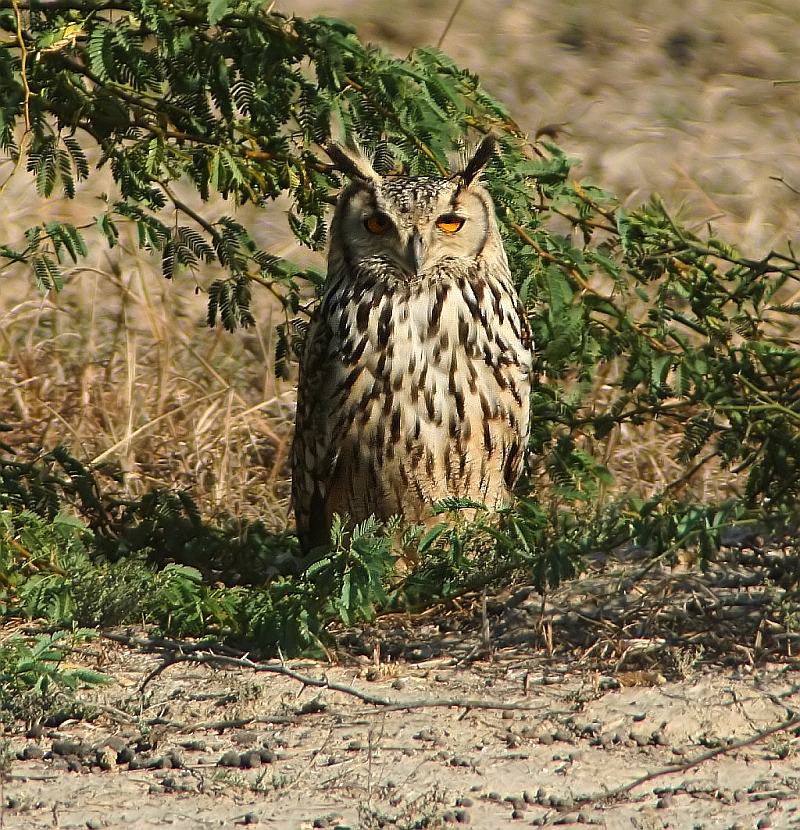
518, 803
163, 762
155, 789
176, 759
231, 758
660, 739
739, 795
74, 763
194, 745
528, 797
106, 758
116, 743
562, 735
355, 746
517, 814
145, 744
664, 802
763, 822
460, 761
399, 684
32, 752
507, 715
462, 817
638, 717
464, 801
249, 818
35, 731
267, 756
95, 824
138, 762
449, 817
320, 822
245, 737
67, 747
640, 738
125, 755
250, 760
494, 796
546, 738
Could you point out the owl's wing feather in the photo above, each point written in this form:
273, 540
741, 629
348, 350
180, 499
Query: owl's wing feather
315, 449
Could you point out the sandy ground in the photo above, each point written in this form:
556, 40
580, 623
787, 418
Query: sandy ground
671, 707
555, 760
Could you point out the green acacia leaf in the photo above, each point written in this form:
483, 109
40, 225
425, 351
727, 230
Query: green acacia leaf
217, 9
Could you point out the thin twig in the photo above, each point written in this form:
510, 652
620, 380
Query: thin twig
619, 792
203, 654
449, 23
23, 64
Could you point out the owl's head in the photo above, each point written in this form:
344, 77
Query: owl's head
409, 226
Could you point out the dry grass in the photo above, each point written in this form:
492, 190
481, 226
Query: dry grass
675, 98
121, 367
671, 98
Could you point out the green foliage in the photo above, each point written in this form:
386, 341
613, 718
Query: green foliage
156, 561
233, 100
35, 678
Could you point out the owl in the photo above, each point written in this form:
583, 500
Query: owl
415, 380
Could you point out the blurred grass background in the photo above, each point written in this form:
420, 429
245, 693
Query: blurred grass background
697, 100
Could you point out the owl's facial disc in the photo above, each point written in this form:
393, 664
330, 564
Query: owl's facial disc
415, 225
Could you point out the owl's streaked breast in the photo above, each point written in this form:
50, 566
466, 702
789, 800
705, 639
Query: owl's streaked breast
429, 391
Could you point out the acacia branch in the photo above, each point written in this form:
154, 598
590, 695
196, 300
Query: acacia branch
176, 652
625, 789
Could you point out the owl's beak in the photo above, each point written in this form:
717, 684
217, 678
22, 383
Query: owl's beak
416, 252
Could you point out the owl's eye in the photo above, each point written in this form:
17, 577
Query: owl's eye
378, 223
449, 223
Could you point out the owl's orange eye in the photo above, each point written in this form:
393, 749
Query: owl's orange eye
378, 223
450, 223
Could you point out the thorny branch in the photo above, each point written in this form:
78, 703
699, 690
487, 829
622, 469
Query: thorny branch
625, 789
176, 652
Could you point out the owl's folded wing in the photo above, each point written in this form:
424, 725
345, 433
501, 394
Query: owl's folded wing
315, 448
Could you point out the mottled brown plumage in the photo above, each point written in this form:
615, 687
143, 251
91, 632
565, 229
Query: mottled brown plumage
415, 381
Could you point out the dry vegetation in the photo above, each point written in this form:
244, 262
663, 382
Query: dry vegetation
678, 99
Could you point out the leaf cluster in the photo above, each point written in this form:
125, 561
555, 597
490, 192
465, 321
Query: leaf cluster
36, 680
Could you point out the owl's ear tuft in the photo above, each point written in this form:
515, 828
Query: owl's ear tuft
480, 158
352, 163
